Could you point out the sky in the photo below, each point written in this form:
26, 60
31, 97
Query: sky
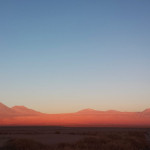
63, 56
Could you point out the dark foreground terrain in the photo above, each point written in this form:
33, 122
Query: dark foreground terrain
69, 138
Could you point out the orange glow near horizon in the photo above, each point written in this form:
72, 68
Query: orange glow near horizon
77, 120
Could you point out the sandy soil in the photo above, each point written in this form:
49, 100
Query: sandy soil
55, 135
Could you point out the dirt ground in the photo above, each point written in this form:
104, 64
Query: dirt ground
55, 135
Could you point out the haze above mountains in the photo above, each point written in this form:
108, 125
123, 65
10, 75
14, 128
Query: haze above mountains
21, 115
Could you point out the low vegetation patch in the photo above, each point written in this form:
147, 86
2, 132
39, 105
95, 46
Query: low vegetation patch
109, 141
101, 141
23, 144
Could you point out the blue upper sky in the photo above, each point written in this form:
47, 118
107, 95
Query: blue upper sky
65, 55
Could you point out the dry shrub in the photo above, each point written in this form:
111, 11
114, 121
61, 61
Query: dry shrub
57, 132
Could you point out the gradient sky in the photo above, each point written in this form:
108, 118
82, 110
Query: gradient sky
66, 55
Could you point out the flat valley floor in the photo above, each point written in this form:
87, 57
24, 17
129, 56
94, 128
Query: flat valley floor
73, 138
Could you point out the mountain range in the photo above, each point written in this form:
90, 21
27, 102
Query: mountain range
21, 115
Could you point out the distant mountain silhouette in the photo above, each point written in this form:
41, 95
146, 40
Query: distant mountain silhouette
21, 115
93, 111
88, 111
147, 111
113, 111
25, 111
6, 111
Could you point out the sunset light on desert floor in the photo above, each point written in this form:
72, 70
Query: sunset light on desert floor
77, 70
